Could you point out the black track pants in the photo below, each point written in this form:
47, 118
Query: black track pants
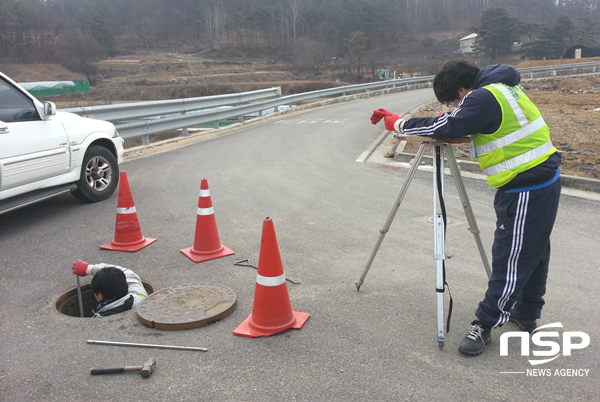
520, 254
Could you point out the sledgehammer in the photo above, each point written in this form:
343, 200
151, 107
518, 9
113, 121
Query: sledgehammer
146, 369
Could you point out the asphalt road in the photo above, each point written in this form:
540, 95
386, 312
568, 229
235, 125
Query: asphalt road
378, 344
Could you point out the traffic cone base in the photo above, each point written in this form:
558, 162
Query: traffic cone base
250, 330
272, 310
146, 241
199, 256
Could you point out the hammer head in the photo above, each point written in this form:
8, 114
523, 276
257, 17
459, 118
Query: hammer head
148, 368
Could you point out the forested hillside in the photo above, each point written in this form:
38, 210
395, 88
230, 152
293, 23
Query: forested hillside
356, 34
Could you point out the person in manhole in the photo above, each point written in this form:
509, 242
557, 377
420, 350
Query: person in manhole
512, 144
116, 289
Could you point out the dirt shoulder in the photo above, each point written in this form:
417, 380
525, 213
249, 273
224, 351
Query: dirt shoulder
571, 108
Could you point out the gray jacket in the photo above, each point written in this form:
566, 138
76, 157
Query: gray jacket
134, 285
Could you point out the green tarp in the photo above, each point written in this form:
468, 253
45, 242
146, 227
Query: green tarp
49, 88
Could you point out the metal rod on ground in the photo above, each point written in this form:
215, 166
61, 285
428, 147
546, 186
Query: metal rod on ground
146, 345
246, 263
79, 297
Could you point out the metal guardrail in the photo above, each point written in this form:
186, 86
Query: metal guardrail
148, 127
143, 119
132, 111
561, 69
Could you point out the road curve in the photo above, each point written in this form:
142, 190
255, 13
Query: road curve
300, 169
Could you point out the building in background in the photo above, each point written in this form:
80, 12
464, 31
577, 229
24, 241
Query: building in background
467, 43
580, 51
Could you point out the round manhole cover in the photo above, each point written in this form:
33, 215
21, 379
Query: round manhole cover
186, 306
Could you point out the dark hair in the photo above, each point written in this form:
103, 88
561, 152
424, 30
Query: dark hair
111, 282
455, 74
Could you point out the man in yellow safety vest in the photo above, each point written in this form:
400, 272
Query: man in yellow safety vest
512, 144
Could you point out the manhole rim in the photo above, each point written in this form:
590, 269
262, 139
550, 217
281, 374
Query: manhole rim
87, 288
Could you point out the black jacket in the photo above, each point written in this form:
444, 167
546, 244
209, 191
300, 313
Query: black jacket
479, 113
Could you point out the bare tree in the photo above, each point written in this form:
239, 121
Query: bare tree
587, 32
26, 33
356, 45
309, 54
214, 20
294, 16
78, 51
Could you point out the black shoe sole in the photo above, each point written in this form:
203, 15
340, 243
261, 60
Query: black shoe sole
473, 354
469, 353
521, 326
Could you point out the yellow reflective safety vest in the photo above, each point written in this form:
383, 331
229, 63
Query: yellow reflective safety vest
521, 142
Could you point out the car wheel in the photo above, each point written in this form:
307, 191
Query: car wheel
99, 175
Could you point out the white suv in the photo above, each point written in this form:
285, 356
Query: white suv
45, 153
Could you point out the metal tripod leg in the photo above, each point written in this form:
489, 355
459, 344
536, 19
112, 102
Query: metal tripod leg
439, 253
392, 214
462, 192
439, 229
438, 220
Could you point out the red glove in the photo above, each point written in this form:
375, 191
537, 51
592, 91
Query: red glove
80, 268
378, 115
390, 118
390, 121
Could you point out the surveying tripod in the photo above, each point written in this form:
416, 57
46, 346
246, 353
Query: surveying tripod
441, 147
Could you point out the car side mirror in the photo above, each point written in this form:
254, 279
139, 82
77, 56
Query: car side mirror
49, 109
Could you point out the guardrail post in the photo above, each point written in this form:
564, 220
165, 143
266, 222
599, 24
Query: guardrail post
145, 140
216, 125
184, 130
240, 119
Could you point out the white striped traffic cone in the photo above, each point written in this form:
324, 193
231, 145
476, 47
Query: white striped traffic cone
272, 311
207, 245
128, 234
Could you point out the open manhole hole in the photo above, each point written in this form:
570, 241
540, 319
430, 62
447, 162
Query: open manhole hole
68, 303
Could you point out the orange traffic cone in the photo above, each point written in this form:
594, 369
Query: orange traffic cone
128, 235
207, 245
272, 312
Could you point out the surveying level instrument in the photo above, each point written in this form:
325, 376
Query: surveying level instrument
440, 148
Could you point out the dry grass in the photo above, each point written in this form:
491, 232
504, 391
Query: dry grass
568, 106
